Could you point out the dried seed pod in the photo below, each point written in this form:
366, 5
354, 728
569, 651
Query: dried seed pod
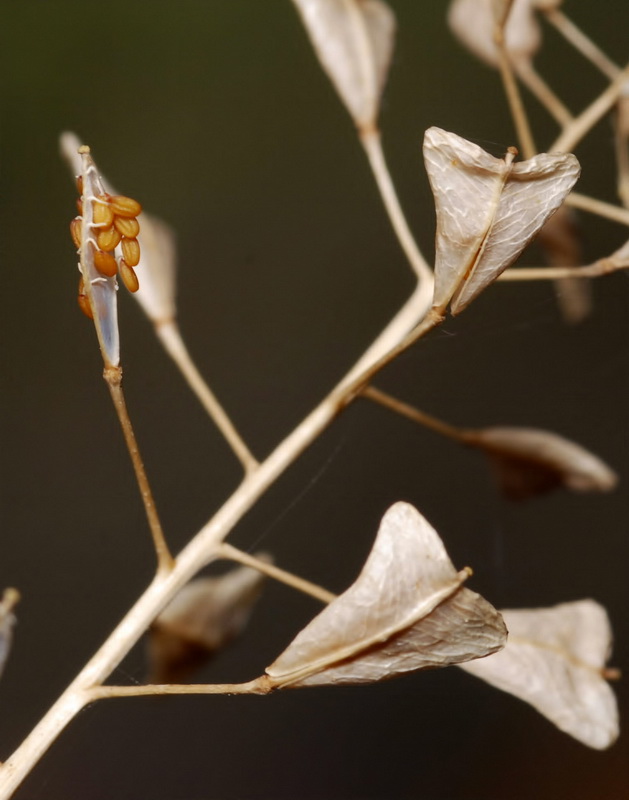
79, 184
124, 206
103, 214
127, 226
79, 206
131, 251
128, 277
84, 301
105, 263
75, 231
108, 239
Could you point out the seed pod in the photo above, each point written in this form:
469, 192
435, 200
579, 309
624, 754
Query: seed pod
128, 277
79, 206
75, 231
125, 206
105, 263
84, 301
108, 239
103, 214
127, 226
131, 251
79, 184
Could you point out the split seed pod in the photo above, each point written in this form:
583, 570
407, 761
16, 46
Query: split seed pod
407, 611
555, 660
488, 210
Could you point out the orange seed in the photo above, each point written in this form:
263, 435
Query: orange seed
131, 251
79, 184
103, 214
127, 226
75, 230
105, 263
125, 206
108, 239
84, 301
79, 205
128, 276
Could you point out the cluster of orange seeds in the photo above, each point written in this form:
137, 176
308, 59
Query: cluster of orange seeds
114, 220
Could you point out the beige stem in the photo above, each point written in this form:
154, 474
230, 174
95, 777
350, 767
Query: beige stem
582, 124
168, 333
113, 378
281, 575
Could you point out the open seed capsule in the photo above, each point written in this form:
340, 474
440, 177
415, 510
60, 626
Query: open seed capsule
127, 226
124, 206
108, 239
128, 277
131, 251
75, 230
105, 263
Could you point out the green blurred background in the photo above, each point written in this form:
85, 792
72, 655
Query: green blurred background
218, 118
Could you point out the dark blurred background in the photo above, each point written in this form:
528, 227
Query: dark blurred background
218, 118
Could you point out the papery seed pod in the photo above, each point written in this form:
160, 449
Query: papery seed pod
131, 251
128, 277
108, 239
105, 263
84, 301
103, 215
75, 231
127, 226
124, 206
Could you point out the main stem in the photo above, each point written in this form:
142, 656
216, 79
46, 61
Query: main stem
202, 549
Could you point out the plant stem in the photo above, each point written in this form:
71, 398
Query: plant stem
170, 336
604, 266
113, 378
514, 98
372, 143
542, 91
599, 207
581, 42
580, 126
281, 575
259, 685
412, 413
202, 549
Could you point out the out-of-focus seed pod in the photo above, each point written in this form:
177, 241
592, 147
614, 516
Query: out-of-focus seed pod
128, 277
127, 226
105, 263
124, 206
103, 215
108, 239
84, 301
131, 251
75, 231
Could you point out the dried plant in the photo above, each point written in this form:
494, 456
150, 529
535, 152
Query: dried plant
408, 610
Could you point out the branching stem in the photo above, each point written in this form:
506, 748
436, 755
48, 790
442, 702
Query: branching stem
202, 549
